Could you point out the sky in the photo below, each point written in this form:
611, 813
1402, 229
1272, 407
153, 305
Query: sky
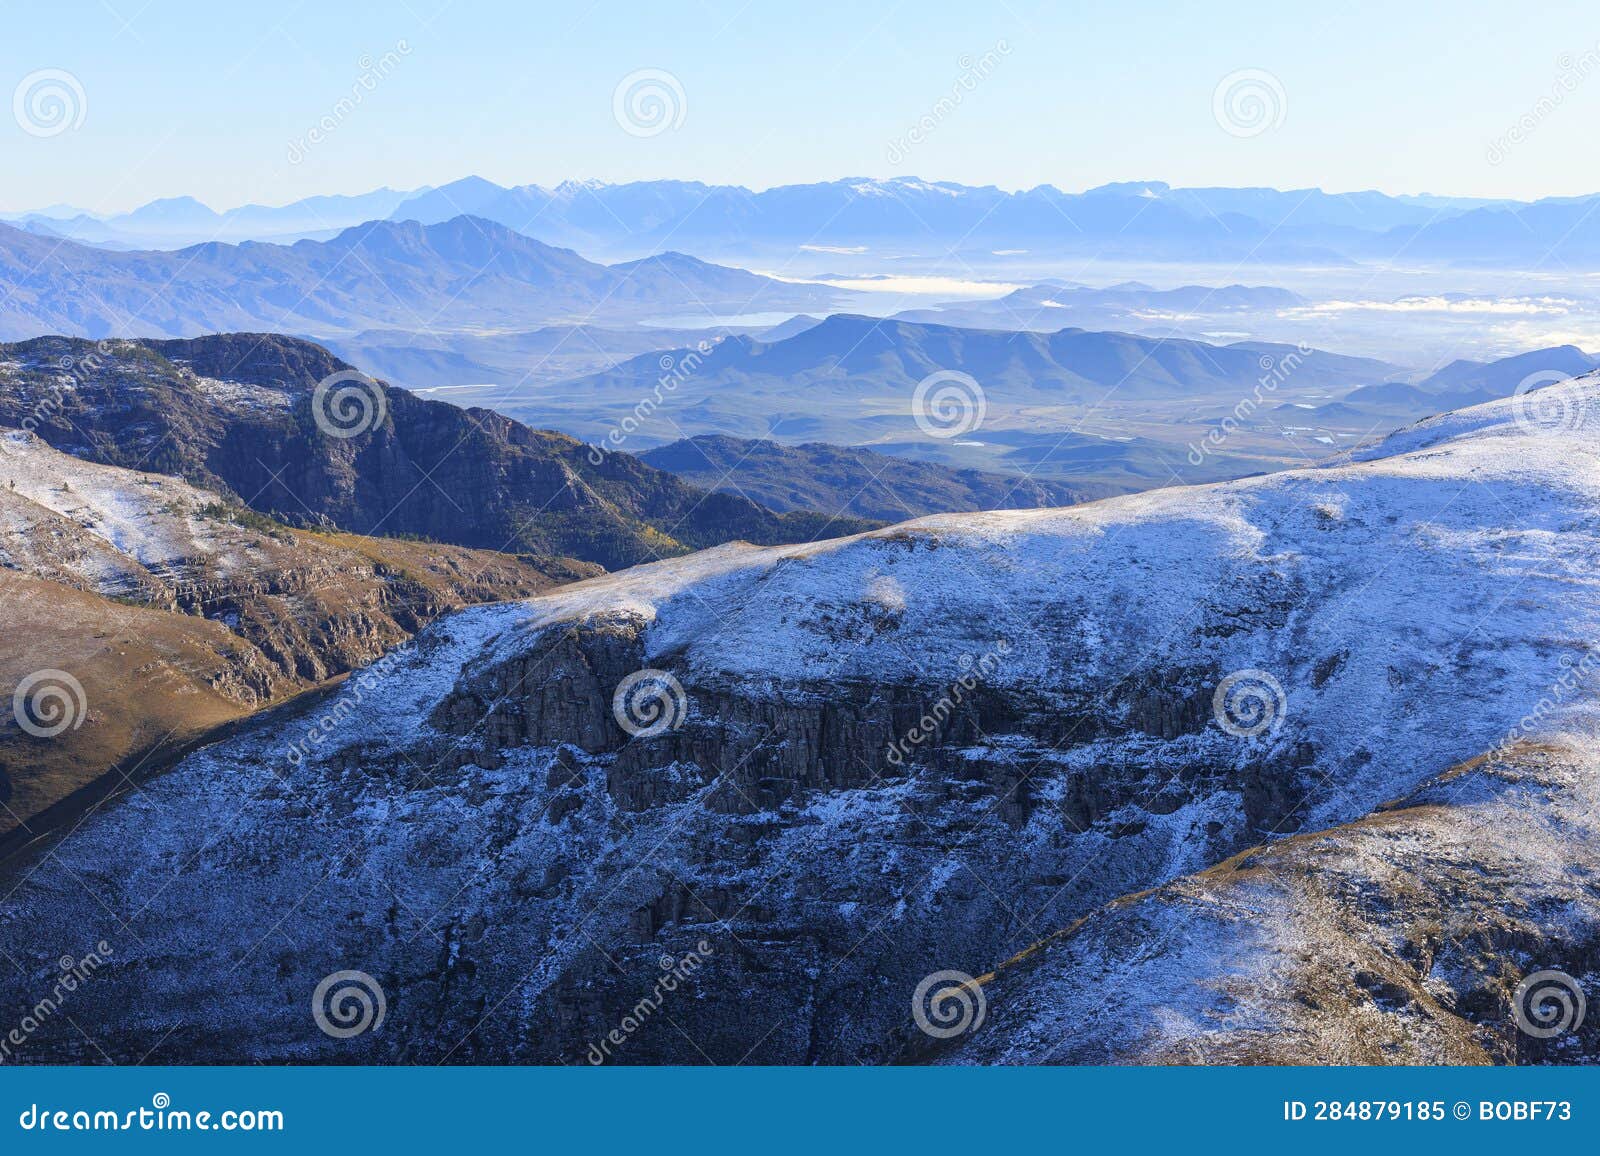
219, 100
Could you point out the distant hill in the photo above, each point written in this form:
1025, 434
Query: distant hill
852, 480
464, 273
177, 222
1465, 383
234, 413
523, 359
1131, 305
850, 380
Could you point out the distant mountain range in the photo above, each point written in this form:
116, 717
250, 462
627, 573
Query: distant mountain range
177, 222
907, 214
1465, 383
850, 380
1051, 304
1129, 218
464, 273
457, 361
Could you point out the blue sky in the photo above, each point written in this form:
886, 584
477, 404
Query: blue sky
205, 99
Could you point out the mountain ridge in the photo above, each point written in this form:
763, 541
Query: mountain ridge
464, 272
235, 413
793, 821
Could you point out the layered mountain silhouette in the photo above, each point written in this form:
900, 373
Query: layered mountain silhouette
1130, 218
234, 413
852, 380
465, 272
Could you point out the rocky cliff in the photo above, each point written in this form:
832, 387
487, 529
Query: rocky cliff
173, 611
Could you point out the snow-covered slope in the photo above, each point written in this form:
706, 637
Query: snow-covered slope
150, 520
1400, 938
175, 610
920, 749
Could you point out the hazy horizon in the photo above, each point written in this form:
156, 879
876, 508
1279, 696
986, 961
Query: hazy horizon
170, 101
222, 208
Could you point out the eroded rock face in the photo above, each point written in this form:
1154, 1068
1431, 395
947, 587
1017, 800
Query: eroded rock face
175, 611
921, 750
823, 879
1402, 938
